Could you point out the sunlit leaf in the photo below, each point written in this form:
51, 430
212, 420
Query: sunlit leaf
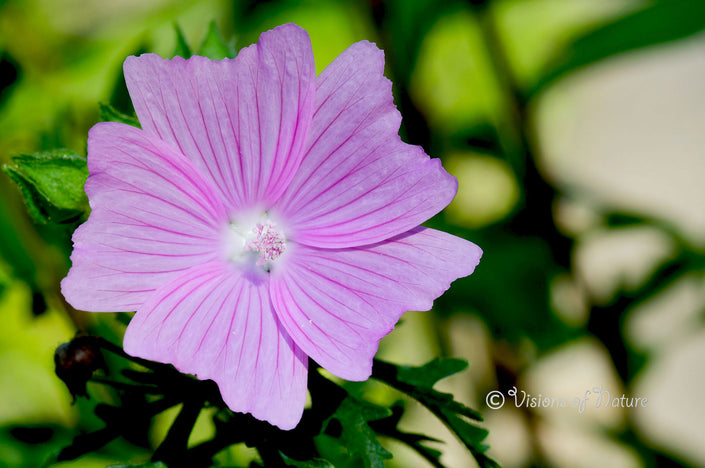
51, 183
453, 81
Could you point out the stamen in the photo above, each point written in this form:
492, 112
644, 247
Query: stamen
258, 243
268, 242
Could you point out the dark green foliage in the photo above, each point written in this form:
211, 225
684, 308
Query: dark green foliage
51, 183
110, 114
345, 429
144, 465
181, 49
388, 428
315, 463
418, 382
356, 435
9, 75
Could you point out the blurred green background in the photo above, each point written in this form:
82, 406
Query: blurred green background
576, 130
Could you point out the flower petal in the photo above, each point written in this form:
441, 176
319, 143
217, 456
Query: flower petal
244, 122
358, 182
338, 303
214, 322
152, 216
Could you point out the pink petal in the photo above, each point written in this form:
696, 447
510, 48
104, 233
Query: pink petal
359, 183
338, 303
214, 322
153, 215
244, 122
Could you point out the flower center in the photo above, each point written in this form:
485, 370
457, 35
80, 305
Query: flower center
258, 243
268, 242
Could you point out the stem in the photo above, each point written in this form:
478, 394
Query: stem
510, 130
269, 455
175, 445
127, 386
536, 216
117, 350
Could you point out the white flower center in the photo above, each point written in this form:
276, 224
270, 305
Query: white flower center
259, 243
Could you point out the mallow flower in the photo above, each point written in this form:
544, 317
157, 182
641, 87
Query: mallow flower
262, 216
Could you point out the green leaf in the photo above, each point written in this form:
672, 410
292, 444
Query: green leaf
51, 183
427, 375
356, 435
418, 382
214, 46
144, 465
388, 428
181, 49
661, 22
313, 463
110, 114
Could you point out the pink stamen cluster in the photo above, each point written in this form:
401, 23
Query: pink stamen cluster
269, 243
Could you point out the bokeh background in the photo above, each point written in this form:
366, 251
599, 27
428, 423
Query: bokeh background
576, 129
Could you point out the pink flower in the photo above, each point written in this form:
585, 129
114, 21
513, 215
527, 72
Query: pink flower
262, 216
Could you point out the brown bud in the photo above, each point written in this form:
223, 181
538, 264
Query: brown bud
76, 361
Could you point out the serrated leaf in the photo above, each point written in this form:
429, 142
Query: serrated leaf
214, 46
356, 435
110, 114
388, 428
313, 463
181, 49
51, 183
418, 382
427, 375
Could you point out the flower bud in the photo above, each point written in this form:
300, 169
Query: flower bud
76, 361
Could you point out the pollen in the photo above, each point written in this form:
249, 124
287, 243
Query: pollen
268, 242
255, 243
